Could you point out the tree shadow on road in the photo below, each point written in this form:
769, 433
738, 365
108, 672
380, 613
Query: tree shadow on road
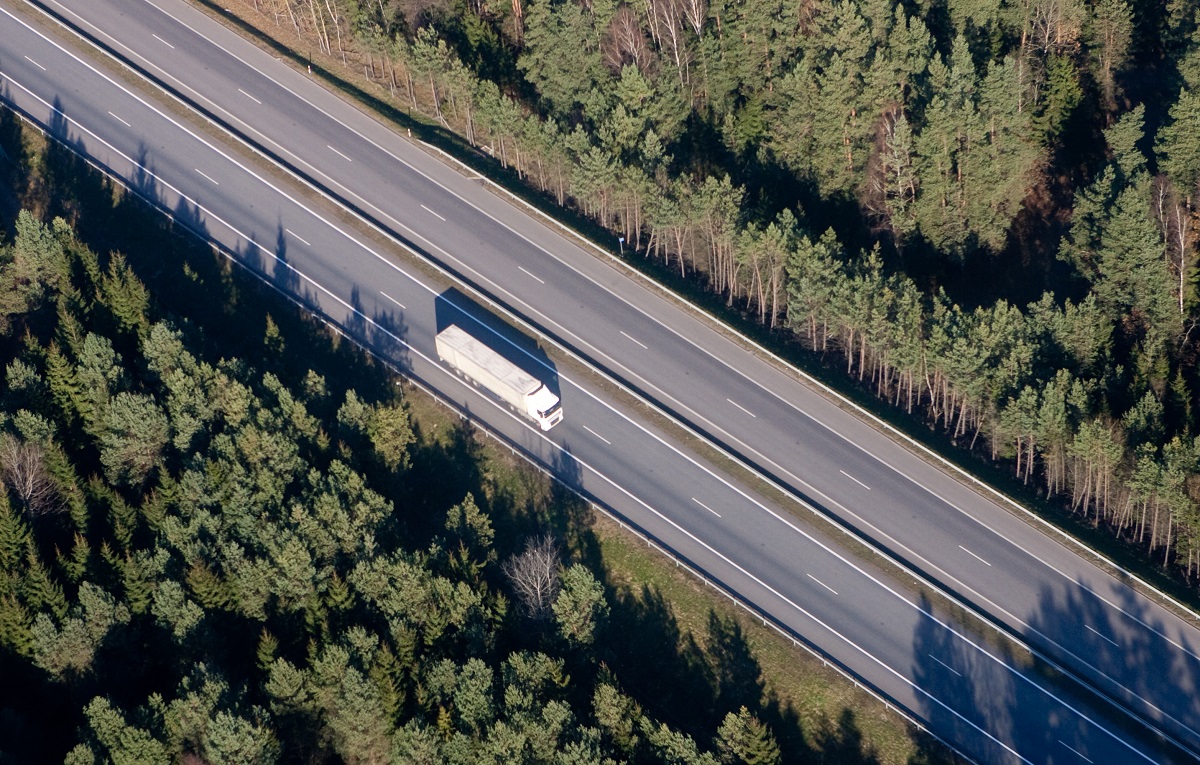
997, 703
190, 279
1116, 640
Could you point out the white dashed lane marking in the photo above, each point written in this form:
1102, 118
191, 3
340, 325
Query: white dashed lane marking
973, 555
944, 664
744, 409
852, 478
298, 237
597, 435
206, 175
818, 581
335, 151
634, 339
1078, 753
706, 507
1102, 636
540, 281
394, 300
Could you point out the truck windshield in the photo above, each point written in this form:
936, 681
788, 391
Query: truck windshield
549, 411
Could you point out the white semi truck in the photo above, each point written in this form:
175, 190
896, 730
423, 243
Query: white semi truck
474, 360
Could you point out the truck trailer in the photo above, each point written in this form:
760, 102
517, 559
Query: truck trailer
474, 360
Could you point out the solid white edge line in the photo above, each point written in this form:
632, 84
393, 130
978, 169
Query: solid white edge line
670, 329
637, 425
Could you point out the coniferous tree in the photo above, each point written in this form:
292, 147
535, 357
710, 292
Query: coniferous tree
135, 430
1178, 144
14, 536
580, 607
743, 740
1110, 34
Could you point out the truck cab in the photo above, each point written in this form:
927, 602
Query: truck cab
545, 408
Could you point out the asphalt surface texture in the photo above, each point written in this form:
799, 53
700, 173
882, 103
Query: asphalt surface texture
990, 707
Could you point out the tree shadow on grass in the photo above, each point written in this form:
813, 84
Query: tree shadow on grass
14, 167
456, 460
841, 741
658, 662
691, 683
737, 676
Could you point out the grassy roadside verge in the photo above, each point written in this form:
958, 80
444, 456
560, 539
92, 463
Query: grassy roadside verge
822, 714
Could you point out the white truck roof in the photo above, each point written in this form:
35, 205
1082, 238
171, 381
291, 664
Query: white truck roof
510, 374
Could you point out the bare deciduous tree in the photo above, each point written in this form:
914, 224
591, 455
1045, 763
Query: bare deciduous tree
666, 19
534, 575
1053, 25
23, 467
625, 42
1175, 222
695, 11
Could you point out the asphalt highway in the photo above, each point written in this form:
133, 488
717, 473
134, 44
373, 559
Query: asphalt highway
965, 692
